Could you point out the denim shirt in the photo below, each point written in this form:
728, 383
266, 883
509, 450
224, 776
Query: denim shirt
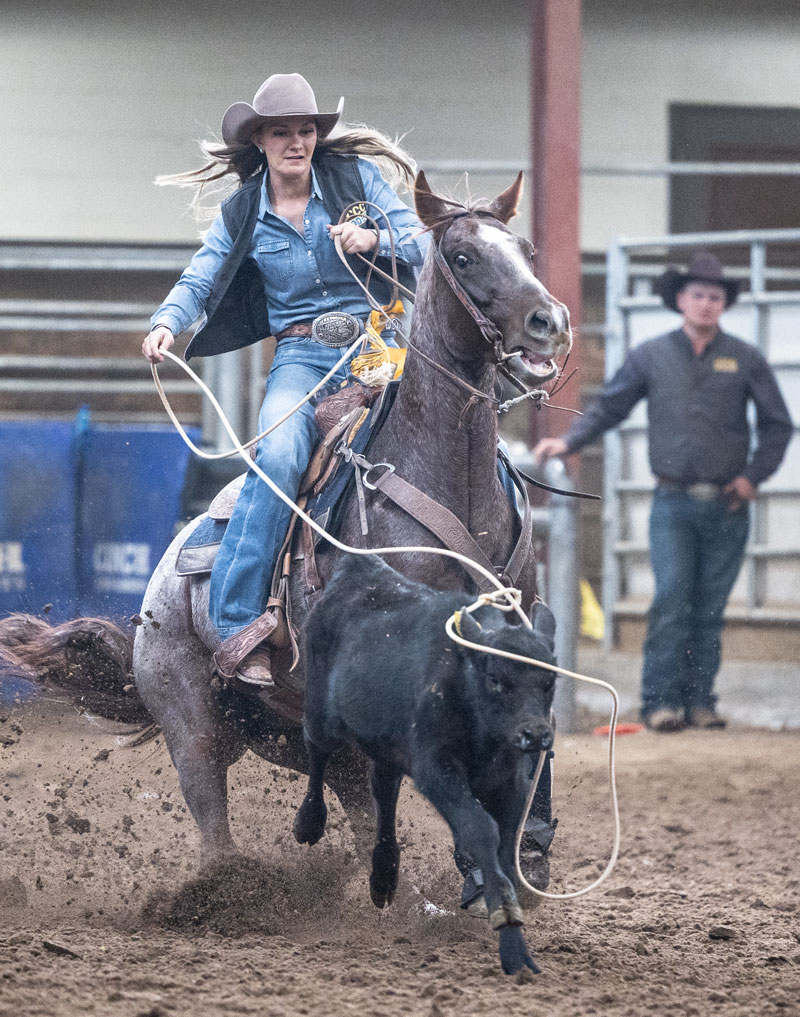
303, 276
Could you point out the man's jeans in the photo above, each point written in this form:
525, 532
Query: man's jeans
243, 568
696, 551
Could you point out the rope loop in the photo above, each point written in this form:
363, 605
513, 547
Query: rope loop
503, 598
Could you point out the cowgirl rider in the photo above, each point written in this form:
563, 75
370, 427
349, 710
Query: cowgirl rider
268, 266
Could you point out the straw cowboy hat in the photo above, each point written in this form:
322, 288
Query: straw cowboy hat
703, 267
281, 95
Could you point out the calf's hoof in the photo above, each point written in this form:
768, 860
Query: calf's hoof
513, 952
472, 895
533, 851
309, 823
384, 877
380, 895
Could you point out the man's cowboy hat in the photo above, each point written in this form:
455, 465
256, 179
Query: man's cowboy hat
703, 267
281, 95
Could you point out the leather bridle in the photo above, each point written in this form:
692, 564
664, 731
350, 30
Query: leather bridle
490, 332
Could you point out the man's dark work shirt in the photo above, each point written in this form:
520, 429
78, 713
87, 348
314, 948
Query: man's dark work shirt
697, 409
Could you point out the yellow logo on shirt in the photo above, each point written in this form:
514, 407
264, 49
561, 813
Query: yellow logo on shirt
730, 365
357, 214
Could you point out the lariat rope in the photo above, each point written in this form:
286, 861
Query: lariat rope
361, 341
503, 598
512, 598
453, 629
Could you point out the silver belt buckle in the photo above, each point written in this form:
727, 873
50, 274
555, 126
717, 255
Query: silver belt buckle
336, 328
703, 492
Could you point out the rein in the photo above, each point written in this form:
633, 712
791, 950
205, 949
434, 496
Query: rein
475, 392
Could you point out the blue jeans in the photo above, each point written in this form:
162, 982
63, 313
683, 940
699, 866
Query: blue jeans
696, 551
242, 573
240, 580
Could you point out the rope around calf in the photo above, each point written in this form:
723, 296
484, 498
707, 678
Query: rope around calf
503, 598
491, 599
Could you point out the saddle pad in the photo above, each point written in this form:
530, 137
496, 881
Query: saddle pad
197, 555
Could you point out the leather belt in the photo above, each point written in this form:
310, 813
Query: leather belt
301, 328
333, 328
702, 491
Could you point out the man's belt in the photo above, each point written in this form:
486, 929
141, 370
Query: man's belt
701, 491
334, 328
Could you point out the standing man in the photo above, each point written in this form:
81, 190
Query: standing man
697, 381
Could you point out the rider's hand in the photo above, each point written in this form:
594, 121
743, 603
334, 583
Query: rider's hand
739, 491
159, 339
549, 447
355, 239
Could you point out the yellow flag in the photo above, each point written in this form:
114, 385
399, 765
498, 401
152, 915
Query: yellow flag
592, 618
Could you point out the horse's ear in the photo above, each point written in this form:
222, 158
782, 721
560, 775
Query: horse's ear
504, 206
430, 209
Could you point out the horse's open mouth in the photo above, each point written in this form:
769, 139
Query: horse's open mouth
542, 368
531, 369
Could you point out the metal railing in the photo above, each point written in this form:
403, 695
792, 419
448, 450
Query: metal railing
33, 374
557, 526
491, 167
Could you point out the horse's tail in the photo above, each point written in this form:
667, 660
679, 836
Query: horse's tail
89, 658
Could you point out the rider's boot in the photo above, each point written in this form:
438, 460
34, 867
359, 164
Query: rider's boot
245, 656
256, 668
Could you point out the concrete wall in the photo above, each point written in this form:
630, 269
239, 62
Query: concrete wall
99, 98
96, 98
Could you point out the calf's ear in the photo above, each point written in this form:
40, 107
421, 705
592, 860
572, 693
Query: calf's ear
544, 624
470, 629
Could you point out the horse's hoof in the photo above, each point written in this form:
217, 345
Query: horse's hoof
535, 867
534, 849
309, 824
477, 909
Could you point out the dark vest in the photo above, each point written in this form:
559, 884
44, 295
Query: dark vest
236, 309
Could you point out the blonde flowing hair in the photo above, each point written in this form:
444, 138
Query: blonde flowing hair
212, 182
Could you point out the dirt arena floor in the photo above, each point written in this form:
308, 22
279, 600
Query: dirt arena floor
102, 911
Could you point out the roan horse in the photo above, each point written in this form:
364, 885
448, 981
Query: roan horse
439, 436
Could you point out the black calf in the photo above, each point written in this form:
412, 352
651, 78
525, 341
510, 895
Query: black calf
382, 673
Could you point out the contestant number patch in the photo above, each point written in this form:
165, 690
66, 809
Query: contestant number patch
357, 214
728, 365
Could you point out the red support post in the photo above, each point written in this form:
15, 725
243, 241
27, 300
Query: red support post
555, 119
